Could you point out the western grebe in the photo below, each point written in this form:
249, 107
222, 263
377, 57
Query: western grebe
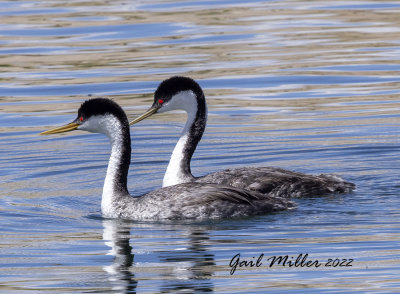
185, 201
183, 93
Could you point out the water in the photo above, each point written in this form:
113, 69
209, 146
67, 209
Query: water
311, 86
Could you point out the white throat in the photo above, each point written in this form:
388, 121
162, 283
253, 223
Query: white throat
109, 195
111, 127
175, 174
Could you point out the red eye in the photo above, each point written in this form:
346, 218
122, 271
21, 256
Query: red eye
160, 101
81, 118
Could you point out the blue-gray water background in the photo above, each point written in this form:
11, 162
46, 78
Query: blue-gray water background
312, 86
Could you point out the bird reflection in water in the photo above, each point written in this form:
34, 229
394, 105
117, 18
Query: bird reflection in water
193, 265
116, 235
186, 267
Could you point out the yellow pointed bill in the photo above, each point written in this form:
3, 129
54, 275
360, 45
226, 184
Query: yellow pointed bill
69, 127
145, 115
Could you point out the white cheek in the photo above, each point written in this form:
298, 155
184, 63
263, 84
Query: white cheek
92, 124
105, 124
185, 100
169, 106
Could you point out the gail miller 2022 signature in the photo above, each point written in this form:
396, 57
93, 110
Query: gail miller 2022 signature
300, 260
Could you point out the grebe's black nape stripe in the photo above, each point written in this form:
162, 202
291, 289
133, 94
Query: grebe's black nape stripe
197, 201
183, 93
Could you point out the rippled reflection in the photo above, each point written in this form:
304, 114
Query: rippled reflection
116, 235
187, 268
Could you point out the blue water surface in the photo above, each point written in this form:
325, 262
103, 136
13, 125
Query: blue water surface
305, 86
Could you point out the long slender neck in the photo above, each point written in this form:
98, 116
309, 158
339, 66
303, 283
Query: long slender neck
115, 183
178, 170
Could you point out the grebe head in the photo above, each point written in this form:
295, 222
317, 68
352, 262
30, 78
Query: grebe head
175, 93
97, 115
